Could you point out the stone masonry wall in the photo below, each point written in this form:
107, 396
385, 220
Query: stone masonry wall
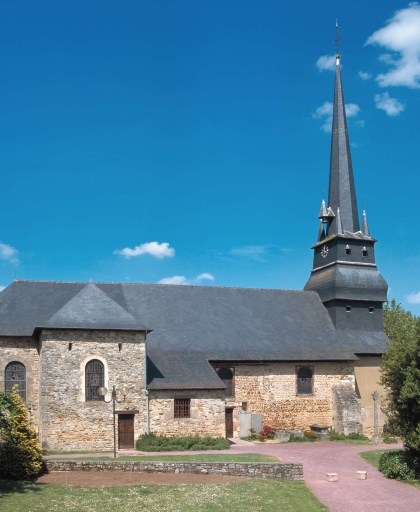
207, 413
271, 390
275, 470
68, 421
24, 350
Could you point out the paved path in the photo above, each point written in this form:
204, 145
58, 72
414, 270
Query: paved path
376, 494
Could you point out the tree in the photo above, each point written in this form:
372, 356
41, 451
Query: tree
20, 451
400, 373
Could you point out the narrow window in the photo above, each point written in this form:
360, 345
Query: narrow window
348, 250
119, 347
70, 346
348, 309
16, 374
304, 381
371, 310
227, 377
364, 251
94, 379
182, 407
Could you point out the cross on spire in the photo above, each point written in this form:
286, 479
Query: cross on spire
337, 37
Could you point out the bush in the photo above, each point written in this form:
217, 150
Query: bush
400, 464
252, 435
20, 451
309, 434
266, 433
388, 439
304, 439
355, 436
391, 429
153, 443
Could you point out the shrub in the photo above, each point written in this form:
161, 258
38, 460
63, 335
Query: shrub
310, 435
261, 437
391, 429
20, 451
304, 439
153, 443
388, 439
355, 436
267, 432
400, 464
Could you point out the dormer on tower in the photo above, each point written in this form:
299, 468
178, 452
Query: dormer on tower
344, 271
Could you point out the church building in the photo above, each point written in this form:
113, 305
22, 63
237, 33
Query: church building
187, 360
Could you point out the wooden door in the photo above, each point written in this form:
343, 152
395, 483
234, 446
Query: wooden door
229, 422
126, 431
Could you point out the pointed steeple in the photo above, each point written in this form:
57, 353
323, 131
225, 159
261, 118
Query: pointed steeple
338, 224
365, 225
342, 193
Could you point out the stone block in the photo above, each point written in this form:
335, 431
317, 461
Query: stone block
332, 477
283, 437
245, 423
296, 433
361, 475
256, 422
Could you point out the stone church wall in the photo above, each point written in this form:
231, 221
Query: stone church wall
24, 350
68, 421
271, 390
207, 413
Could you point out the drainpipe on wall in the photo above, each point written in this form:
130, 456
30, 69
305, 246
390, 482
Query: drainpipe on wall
146, 391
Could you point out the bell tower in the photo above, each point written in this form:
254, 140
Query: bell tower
344, 272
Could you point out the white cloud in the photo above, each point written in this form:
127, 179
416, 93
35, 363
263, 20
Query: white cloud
413, 298
8, 253
155, 249
401, 35
391, 105
365, 76
254, 252
361, 123
325, 112
184, 280
326, 62
206, 275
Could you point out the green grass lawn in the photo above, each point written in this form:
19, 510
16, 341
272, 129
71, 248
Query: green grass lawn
255, 496
210, 457
354, 441
373, 458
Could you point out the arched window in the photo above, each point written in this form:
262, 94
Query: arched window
16, 374
227, 377
304, 381
94, 379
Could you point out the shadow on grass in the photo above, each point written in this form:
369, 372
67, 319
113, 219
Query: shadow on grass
19, 486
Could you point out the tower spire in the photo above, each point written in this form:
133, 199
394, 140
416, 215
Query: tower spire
342, 193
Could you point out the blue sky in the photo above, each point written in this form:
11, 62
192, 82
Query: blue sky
188, 141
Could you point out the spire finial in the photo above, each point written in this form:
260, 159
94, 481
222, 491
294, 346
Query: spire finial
337, 39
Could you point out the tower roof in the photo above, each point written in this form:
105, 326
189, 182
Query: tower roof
342, 193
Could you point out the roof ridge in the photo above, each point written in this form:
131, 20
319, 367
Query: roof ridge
157, 284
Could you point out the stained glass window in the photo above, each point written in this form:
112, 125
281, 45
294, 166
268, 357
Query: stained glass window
94, 379
16, 374
227, 377
304, 381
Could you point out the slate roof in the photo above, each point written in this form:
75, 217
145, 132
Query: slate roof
191, 325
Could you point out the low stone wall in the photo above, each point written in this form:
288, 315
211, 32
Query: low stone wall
276, 470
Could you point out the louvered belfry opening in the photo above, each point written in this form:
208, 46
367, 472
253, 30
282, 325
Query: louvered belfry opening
94, 379
16, 374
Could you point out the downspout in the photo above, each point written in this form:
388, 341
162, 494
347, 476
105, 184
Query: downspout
146, 391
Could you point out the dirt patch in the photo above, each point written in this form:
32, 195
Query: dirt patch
107, 478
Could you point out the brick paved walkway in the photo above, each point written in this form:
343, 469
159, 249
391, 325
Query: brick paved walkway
376, 494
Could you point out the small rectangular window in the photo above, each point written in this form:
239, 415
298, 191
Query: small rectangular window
371, 310
182, 407
119, 347
70, 346
348, 309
